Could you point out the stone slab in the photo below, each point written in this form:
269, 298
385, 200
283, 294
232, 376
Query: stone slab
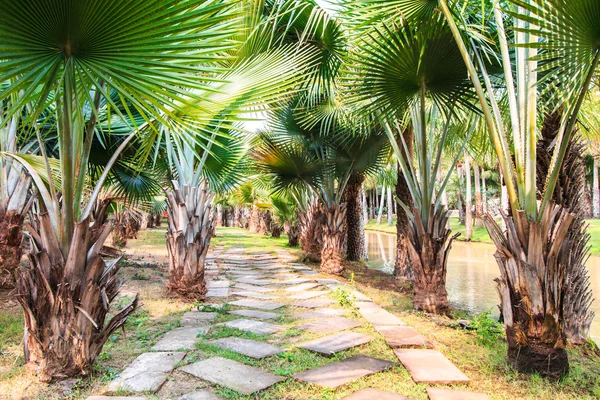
196, 318
430, 366
217, 284
256, 314
295, 281
254, 281
332, 344
262, 305
302, 287
341, 372
402, 337
309, 273
309, 295
255, 295
249, 325
320, 313
377, 315
374, 394
232, 374
247, 347
180, 338
218, 292
450, 394
253, 288
200, 395
326, 325
147, 373
313, 303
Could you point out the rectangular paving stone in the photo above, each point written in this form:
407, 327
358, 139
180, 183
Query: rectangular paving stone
217, 284
200, 395
430, 366
180, 338
374, 394
196, 318
325, 325
302, 287
262, 305
377, 315
451, 394
402, 336
313, 303
256, 314
320, 313
309, 273
309, 295
249, 325
218, 292
147, 373
255, 295
332, 344
247, 347
254, 281
232, 374
341, 372
295, 281
254, 288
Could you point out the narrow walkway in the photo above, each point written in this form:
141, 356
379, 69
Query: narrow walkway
265, 305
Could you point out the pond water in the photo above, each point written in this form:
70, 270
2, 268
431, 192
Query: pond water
471, 272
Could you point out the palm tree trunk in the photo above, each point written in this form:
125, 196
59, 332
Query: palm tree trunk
276, 230
334, 239
119, 234
237, 217
372, 202
429, 248
292, 231
468, 201
191, 227
254, 221
311, 232
478, 205
158, 219
533, 258
596, 189
381, 203
390, 207
354, 218
66, 299
402, 267
364, 206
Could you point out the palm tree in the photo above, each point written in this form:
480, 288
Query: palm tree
395, 73
533, 253
284, 209
76, 61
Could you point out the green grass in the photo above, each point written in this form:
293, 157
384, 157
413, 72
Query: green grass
480, 235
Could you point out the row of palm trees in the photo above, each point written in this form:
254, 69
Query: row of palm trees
111, 86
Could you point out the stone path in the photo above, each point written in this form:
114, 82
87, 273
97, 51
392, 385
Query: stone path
261, 287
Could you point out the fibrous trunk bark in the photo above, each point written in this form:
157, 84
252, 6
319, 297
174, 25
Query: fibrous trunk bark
254, 220
292, 231
14, 204
534, 259
311, 231
402, 267
119, 233
157, 219
191, 227
11, 246
570, 193
354, 218
334, 239
429, 248
276, 230
66, 299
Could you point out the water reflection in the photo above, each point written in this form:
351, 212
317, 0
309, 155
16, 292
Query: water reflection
471, 272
